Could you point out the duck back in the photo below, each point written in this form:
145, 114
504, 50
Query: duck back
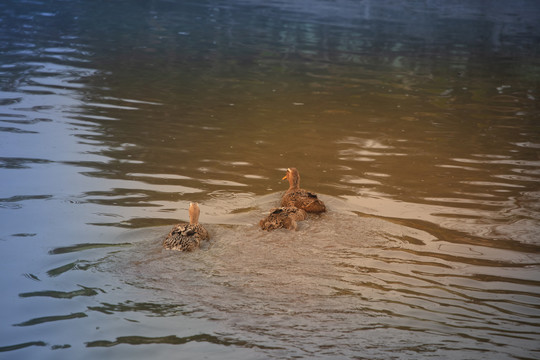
304, 200
283, 217
185, 237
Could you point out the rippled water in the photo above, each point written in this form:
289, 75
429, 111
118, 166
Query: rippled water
416, 122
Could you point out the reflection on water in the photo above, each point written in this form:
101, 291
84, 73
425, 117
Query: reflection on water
417, 123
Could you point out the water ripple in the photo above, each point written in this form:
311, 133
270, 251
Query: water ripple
428, 164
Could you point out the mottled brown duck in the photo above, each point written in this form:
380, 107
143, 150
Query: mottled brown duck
298, 197
187, 237
283, 218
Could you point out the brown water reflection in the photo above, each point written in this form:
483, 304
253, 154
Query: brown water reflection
417, 123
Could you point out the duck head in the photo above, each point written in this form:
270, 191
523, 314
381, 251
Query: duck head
294, 178
194, 212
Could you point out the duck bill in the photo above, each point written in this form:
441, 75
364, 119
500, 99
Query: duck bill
286, 174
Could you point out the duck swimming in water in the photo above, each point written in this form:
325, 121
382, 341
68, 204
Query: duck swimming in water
300, 198
187, 237
283, 217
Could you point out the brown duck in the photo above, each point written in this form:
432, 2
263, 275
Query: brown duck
300, 198
187, 237
283, 217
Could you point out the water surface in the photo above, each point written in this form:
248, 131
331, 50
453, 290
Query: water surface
417, 124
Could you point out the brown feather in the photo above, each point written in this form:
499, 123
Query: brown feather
283, 217
187, 237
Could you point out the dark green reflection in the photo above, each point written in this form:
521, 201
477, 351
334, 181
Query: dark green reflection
22, 346
171, 340
47, 319
153, 308
76, 265
82, 247
61, 294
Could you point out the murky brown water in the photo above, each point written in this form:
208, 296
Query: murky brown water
418, 124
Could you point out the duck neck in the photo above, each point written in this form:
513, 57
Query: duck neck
294, 183
194, 214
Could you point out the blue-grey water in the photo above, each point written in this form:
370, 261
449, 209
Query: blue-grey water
418, 123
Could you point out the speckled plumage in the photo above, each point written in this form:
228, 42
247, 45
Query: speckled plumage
187, 237
283, 217
300, 198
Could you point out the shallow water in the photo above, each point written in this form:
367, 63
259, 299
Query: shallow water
418, 124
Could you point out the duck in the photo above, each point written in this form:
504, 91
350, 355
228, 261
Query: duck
187, 237
283, 217
298, 197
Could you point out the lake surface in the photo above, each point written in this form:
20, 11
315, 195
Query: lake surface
417, 123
